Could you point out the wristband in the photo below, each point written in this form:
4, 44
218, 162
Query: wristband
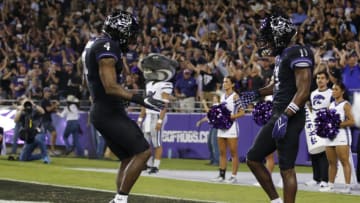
159, 121
139, 120
293, 107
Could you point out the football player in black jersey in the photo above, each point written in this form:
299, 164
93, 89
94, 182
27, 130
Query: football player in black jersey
101, 61
290, 90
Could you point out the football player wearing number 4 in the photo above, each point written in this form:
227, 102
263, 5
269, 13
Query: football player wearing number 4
290, 89
102, 67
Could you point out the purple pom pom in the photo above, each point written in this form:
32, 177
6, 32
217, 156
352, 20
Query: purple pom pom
327, 123
262, 112
220, 117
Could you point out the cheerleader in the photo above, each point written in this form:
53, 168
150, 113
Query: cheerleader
339, 147
228, 138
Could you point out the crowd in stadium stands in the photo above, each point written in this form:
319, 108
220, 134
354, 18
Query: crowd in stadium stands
41, 42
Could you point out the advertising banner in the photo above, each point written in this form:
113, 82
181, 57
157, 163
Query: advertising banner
181, 138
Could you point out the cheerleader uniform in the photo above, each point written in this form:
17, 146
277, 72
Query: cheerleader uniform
344, 135
233, 131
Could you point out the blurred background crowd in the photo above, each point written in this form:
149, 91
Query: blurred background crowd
41, 43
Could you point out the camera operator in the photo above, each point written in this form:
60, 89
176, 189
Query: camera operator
29, 118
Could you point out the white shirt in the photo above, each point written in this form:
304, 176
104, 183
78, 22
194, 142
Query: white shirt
320, 99
71, 113
158, 88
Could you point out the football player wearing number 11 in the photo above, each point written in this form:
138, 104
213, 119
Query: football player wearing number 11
102, 66
290, 90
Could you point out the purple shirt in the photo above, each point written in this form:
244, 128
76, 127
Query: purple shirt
187, 86
18, 81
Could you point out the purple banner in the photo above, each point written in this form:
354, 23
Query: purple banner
181, 137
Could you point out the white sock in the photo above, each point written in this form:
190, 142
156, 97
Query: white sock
156, 163
120, 198
150, 161
278, 200
331, 185
233, 175
347, 186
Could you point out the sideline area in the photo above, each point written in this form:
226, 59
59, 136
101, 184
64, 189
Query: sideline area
244, 178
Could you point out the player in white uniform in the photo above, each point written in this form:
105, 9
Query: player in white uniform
339, 147
319, 99
229, 137
154, 120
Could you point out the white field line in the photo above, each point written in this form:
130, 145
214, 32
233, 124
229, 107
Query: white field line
92, 189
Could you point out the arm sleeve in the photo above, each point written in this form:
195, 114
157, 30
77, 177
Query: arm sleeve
106, 49
302, 57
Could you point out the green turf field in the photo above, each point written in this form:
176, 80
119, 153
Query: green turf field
59, 173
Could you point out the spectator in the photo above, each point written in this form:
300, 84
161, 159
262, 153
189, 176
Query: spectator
209, 81
186, 91
18, 83
68, 81
351, 73
54, 93
333, 70
137, 78
299, 16
53, 76
255, 81
71, 114
34, 90
266, 69
49, 108
212, 136
3, 94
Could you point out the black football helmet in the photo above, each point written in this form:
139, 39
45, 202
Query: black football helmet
122, 27
275, 34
